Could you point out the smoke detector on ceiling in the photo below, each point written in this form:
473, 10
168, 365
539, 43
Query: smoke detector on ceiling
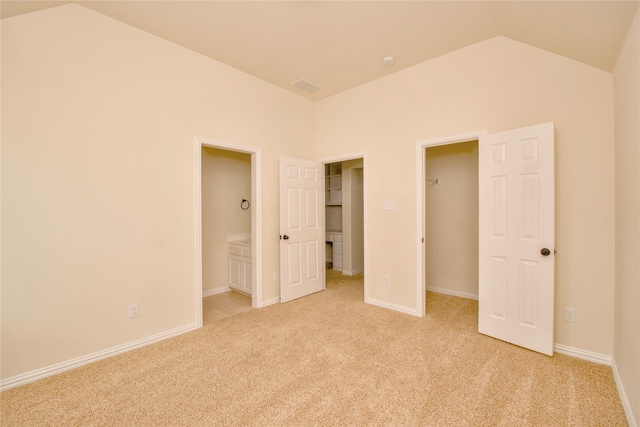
305, 85
388, 60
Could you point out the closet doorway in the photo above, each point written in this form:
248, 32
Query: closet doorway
345, 216
228, 228
516, 233
451, 219
447, 195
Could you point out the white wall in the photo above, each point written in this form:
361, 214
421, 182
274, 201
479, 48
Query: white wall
352, 217
451, 219
226, 180
496, 85
98, 179
333, 217
627, 182
98, 174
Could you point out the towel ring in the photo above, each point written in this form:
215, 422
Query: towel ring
244, 204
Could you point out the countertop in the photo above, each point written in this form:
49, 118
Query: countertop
244, 242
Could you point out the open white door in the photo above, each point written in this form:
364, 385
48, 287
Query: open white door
516, 265
302, 242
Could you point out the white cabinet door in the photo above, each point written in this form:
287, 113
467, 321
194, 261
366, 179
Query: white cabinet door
240, 267
516, 236
301, 228
236, 273
246, 269
337, 255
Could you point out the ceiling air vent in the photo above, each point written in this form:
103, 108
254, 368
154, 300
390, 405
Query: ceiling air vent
305, 85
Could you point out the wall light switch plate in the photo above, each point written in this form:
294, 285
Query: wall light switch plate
389, 205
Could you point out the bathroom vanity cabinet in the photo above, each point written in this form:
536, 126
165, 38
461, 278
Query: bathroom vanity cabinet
240, 266
334, 248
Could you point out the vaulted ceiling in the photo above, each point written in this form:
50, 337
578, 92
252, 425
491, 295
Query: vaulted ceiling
337, 45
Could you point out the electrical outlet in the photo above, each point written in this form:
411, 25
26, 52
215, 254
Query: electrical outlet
276, 276
386, 280
569, 314
134, 311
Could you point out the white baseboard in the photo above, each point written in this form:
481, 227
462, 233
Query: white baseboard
602, 359
391, 306
623, 396
352, 272
59, 368
271, 301
215, 291
452, 292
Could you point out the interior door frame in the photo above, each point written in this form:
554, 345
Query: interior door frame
365, 204
421, 176
256, 218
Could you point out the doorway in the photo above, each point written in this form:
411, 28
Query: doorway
305, 187
345, 216
515, 231
451, 219
437, 186
229, 174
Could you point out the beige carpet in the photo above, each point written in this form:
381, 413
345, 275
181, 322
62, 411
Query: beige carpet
327, 359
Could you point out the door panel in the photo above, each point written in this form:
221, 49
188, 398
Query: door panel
294, 258
246, 265
235, 272
301, 228
312, 260
516, 281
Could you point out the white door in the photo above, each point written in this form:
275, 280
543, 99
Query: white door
516, 214
302, 242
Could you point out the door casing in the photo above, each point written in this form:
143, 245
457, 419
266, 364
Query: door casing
421, 146
365, 186
256, 218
